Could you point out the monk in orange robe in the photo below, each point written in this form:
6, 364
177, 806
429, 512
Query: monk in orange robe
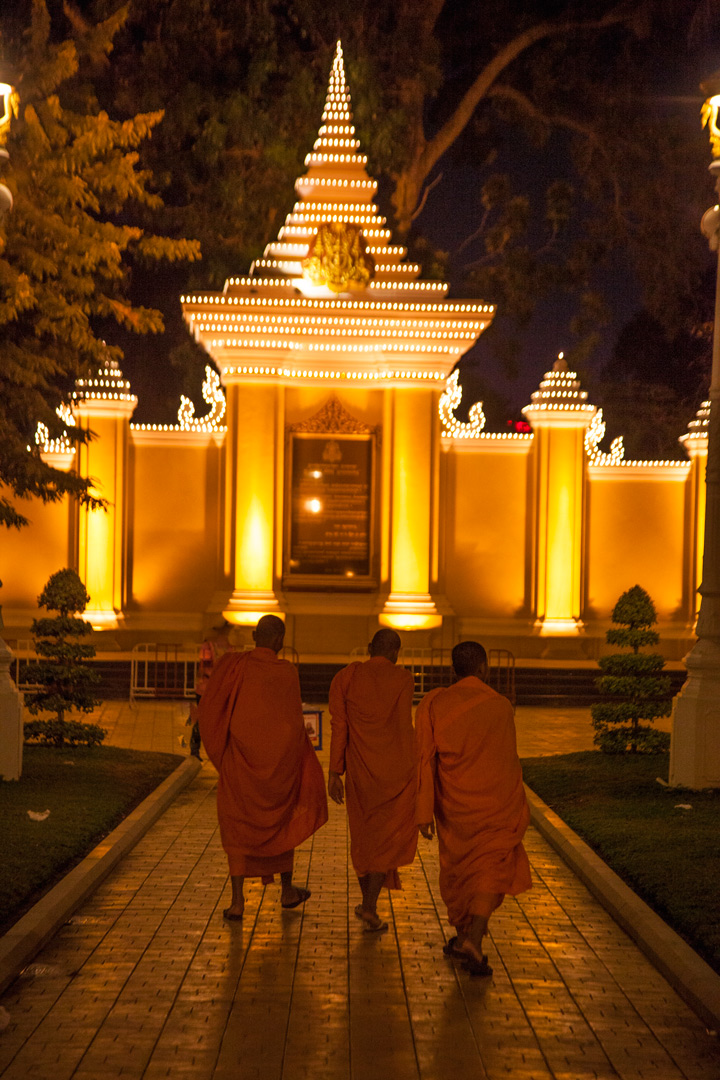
271, 791
373, 743
470, 781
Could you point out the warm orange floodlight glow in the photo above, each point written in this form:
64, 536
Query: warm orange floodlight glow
314, 506
709, 115
248, 618
9, 104
410, 622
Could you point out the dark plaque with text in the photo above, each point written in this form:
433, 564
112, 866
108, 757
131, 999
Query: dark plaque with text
330, 507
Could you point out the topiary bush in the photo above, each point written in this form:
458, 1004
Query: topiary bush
63, 677
63, 733
635, 679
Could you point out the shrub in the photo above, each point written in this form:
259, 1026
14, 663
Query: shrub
63, 677
635, 679
63, 733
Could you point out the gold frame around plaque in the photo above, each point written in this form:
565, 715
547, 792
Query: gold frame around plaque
330, 582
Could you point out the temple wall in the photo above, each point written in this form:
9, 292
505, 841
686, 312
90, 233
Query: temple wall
174, 526
485, 540
638, 528
636, 536
29, 556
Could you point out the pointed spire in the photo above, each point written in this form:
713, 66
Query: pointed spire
336, 140
559, 397
695, 440
337, 191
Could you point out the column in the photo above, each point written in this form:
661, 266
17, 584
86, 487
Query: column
559, 415
414, 437
253, 465
104, 406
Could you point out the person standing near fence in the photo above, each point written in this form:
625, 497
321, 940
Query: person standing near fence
216, 644
372, 742
470, 783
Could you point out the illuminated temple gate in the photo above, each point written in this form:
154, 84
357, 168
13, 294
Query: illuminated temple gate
331, 482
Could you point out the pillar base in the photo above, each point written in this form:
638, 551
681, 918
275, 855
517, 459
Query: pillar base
247, 608
695, 743
100, 619
410, 611
559, 627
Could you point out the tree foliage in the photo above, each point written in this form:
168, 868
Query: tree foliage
633, 678
493, 87
63, 676
435, 85
65, 250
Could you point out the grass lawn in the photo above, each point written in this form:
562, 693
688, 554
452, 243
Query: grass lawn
88, 791
670, 857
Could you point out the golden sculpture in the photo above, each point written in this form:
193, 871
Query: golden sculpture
338, 258
709, 115
9, 102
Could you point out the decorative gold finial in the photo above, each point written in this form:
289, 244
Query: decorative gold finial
709, 115
338, 258
8, 108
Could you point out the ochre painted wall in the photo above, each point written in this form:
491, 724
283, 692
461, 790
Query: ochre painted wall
174, 531
29, 556
635, 537
483, 508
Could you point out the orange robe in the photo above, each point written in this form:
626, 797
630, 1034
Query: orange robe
470, 779
372, 740
271, 789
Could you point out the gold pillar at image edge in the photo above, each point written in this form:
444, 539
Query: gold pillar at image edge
695, 740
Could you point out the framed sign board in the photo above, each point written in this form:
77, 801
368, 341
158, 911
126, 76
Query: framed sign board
329, 524
313, 726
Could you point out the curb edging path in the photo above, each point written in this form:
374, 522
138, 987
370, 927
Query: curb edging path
28, 935
688, 974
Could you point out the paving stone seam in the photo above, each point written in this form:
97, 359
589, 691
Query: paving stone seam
458, 983
688, 974
663, 1045
542, 1040
99, 1033
394, 930
591, 1025
30, 933
297, 957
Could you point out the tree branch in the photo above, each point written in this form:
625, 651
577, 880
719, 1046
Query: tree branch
426, 192
502, 90
452, 128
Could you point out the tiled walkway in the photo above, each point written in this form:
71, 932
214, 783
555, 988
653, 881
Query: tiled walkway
147, 981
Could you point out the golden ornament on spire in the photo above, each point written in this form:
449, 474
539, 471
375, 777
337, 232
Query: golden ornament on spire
338, 258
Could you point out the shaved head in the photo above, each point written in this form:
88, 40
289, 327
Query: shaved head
469, 658
269, 633
385, 643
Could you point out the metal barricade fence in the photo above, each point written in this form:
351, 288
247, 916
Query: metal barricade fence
159, 670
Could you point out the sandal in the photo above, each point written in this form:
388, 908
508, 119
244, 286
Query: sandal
231, 916
475, 963
373, 924
303, 895
452, 950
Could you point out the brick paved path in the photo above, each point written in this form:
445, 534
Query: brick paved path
147, 981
